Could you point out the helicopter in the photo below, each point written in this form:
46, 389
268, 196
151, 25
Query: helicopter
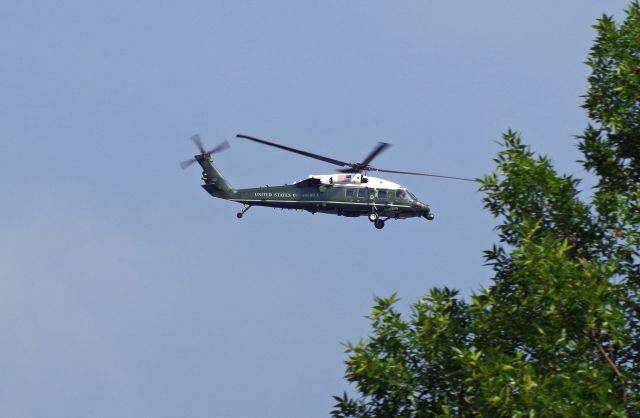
351, 192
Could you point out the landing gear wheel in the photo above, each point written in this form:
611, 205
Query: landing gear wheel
246, 208
373, 216
379, 224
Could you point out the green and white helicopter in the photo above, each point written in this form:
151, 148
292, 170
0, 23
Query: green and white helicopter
350, 193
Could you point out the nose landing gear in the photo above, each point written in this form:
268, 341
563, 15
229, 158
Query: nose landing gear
375, 218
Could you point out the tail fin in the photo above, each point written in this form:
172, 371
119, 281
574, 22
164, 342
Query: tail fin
214, 182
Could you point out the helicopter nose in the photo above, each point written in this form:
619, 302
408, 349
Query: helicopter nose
425, 211
418, 207
428, 215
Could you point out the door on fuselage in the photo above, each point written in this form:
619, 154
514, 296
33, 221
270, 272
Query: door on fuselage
362, 198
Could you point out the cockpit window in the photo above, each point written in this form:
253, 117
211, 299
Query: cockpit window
401, 194
412, 195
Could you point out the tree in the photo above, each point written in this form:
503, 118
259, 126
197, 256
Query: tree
558, 331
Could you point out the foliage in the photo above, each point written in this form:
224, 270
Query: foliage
558, 331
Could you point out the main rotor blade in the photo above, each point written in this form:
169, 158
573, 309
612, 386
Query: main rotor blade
373, 154
297, 151
419, 174
196, 140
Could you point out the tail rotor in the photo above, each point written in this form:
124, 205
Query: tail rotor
203, 153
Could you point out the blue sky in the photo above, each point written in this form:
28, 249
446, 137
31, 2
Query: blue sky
125, 290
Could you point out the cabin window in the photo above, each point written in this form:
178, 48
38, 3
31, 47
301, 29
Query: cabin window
351, 193
382, 194
362, 193
401, 194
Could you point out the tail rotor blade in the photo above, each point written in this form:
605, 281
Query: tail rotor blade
198, 142
223, 146
187, 163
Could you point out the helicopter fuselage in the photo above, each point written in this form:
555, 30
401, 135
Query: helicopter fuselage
360, 196
348, 193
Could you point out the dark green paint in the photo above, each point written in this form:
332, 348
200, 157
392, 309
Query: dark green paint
314, 197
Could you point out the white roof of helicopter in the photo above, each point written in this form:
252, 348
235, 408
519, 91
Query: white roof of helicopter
373, 181
382, 183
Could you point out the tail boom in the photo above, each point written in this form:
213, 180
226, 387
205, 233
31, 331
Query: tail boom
214, 182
